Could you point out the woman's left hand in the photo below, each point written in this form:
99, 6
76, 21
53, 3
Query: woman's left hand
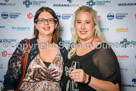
78, 75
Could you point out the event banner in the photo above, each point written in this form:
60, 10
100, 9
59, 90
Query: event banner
117, 21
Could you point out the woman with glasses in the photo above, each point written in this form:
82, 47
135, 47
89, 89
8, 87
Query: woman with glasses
45, 61
99, 68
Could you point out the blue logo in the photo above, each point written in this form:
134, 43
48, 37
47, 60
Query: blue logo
27, 3
110, 16
90, 3
61, 5
2, 26
6, 0
130, 85
66, 16
134, 80
1, 81
124, 43
20, 28
121, 15
104, 29
7, 40
7, 4
123, 69
127, 4
58, 15
70, 1
4, 15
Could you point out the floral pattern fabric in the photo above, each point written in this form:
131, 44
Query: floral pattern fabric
39, 77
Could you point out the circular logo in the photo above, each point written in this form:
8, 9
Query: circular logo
110, 16
4, 15
6, 0
58, 15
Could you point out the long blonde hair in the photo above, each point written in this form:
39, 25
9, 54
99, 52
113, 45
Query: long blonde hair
97, 33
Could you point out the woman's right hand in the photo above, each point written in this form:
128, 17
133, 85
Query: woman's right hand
78, 75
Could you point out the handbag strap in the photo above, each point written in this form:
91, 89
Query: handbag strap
27, 48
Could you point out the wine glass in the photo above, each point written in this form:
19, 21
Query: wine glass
74, 65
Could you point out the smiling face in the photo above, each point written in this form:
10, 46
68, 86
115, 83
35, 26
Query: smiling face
47, 27
84, 26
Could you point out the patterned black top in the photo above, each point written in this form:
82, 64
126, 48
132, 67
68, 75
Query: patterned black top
100, 63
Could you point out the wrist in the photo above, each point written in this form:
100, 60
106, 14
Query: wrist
88, 79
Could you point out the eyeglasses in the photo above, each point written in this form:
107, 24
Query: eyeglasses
42, 20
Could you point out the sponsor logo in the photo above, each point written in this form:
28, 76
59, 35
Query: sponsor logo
1, 66
30, 16
1, 81
122, 57
126, 4
14, 15
133, 85
125, 43
5, 15
70, 1
21, 28
27, 3
58, 15
122, 29
110, 16
69, 4
119, 16
2, 26
7, 40
65, 5
5, 53
123, 69
98, 2
5, 3
90, 3
104, 29
66, 16
98, 17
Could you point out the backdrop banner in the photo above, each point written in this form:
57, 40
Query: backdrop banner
117, 19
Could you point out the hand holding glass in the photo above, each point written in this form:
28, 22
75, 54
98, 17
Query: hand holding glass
75, 65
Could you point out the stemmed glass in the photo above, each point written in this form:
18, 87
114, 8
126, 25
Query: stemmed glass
74, 65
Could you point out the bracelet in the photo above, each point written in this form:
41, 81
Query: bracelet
89, 79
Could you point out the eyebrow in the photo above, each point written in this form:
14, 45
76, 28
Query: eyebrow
84, 20
47, 18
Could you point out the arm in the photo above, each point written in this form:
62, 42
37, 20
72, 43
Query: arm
108, 66
14, 71
101, 85
78, 75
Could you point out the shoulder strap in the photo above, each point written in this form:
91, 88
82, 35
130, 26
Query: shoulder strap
27, 49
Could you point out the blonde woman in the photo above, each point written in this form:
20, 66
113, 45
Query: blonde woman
99, 68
